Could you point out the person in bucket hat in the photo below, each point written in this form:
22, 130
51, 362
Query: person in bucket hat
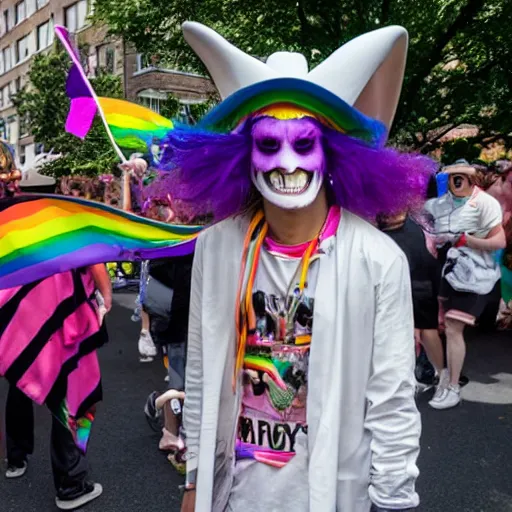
468, 230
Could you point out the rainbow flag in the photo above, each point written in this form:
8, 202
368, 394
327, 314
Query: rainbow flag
41, 235
130, 127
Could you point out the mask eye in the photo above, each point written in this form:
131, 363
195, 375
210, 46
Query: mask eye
458, 181
268, 145
304, 144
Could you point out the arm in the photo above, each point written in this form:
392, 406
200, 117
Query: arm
392, 416
136, 166
127, 194
194, 378
495, 240
103, 283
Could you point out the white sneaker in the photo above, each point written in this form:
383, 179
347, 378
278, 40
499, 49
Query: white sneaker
146, 346
90, 493
444, 380
449, 397
15, 471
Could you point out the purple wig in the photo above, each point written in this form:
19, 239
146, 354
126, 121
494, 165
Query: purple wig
369, 181
211, 173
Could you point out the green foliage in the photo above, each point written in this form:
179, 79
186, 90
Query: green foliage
459, 65
44, 107
171, 107
460, 148
198, 110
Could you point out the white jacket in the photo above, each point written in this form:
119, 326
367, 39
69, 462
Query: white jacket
363, 424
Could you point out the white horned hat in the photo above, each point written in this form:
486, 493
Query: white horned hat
355, 90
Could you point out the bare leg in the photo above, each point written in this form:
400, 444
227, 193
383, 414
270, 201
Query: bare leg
170, 420
145, 321
170, 434
455, 348
431, 342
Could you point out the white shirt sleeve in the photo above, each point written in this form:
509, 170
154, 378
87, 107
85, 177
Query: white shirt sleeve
491, 214
392, 416
194, 372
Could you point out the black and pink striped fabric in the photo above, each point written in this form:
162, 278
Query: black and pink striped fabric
49, 333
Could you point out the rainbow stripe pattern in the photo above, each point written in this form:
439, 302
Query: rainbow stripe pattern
305, 95
133, 127
263, 364
41, 235
80, 428
265, 455
130, 127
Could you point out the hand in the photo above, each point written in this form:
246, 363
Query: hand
462, 241
188, 503
107, 302
136, 166
446, 238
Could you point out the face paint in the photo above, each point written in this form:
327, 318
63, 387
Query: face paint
288, 161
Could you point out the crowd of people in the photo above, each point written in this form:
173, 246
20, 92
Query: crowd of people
289, 340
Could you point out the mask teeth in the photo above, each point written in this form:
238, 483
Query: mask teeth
289, 183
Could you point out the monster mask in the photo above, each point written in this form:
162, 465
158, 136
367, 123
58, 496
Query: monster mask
287, 161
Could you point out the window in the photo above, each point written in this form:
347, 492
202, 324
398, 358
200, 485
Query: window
45, 35
17, 84
21, 49
12, 130
110, 55
20, 12
24, 125
6, 20
152, 99
41, 3
7, 130
75, 15
2, 66
143, 62
6, 57
22, 154
6, 96
105, 59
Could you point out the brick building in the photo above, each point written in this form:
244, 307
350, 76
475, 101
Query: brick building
26, 28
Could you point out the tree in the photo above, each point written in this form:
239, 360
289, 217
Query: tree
170, 107
459, 67
43, 105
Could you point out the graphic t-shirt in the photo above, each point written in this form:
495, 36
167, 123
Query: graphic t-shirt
271, 456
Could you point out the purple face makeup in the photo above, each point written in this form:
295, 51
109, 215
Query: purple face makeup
288, 160
287, 145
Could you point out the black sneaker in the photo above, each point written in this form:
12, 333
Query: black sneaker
88, 492
153, 415
15, 471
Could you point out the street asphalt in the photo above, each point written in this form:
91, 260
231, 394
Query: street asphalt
465, 461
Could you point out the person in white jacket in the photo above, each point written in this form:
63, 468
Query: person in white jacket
300, 364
